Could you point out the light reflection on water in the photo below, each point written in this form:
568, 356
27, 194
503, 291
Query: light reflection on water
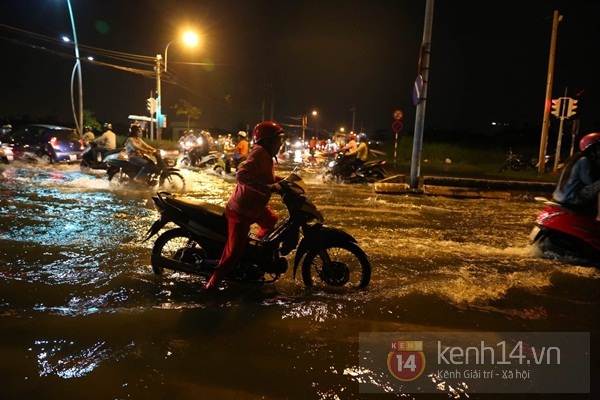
77, 292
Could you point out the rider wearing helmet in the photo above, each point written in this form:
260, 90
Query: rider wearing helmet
108, 140
240, 152
88, 135
579, 183
256, 180
357, 157
351, 147
138, 151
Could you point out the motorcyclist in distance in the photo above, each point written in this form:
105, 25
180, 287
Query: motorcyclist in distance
191, 139
106, 142
256, 180
356, 155
351, 146
362, 151
579, 183
88, 136
240, 152
138, 151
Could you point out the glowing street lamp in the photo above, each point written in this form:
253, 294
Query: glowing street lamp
189, 38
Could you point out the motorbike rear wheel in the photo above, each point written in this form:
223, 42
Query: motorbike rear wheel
119, 179
375, 176
337, 265
173, 182
176, 244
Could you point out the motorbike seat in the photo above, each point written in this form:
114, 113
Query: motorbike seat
209, 214
119, 162
372, 163
571, 208
115, 151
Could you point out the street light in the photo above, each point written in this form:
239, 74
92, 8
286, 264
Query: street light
189, 38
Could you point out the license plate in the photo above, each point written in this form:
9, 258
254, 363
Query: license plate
10, 158
72, 157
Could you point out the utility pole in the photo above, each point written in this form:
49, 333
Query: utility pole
353, 109
158, 98
548, 99
415, 166
79, 120
564, 105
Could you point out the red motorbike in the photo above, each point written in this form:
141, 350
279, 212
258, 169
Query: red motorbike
571, 234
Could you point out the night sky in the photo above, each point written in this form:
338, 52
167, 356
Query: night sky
489, 60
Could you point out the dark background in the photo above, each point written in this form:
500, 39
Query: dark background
489, 61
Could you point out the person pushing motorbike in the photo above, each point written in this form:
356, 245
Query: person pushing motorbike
256, 180
579, 183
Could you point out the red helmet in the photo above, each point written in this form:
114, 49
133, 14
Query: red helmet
352, 136
589, 140
267, 129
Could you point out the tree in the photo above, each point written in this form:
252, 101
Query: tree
184, 107
90, 120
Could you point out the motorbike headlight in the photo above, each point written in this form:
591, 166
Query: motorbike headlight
331, 164
162, 153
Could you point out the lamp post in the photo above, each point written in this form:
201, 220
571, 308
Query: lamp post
78, 121
191, 39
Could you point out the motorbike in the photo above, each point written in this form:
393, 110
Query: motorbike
97, 160
325, 255
567, 232
198, 156
122, 173
515, 162
341, 169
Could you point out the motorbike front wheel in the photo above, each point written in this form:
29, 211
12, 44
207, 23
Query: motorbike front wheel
185, 162
176, 245
337, 265
330, 177
173, 182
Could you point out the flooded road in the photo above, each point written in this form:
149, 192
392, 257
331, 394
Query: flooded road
83, 316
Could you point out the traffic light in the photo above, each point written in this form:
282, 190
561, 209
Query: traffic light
572, 107
556, 106
151, 105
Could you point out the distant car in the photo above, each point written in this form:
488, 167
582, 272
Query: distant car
48, 143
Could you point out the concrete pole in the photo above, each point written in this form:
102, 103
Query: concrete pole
78, 121
158, 96
304, 122
415, 166
564, 105
548, 101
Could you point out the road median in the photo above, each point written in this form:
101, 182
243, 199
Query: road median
464, 187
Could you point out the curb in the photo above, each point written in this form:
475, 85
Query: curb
464, 187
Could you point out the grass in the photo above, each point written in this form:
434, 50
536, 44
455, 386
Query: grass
446, 159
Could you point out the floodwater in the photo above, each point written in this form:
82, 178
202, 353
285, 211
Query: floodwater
83, 316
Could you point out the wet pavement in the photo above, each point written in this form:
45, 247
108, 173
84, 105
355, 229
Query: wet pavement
83, 316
